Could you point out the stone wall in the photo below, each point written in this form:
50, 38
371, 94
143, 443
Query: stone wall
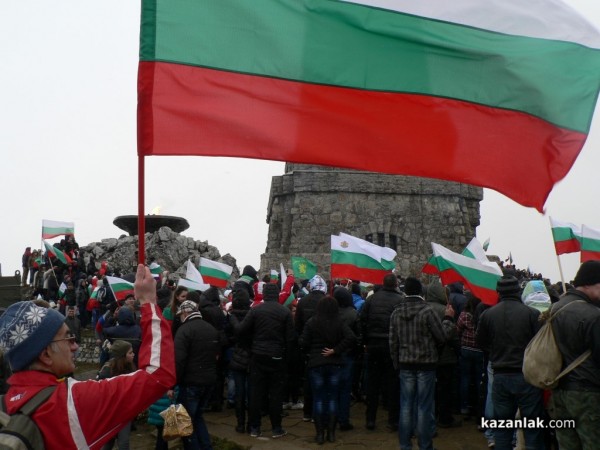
89, 352
310, 203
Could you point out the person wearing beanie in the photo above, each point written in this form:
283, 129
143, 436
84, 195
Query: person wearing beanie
504, 330
416, 333
39, 348
246, 280
196, 368
375, 325
270, 329
577, 330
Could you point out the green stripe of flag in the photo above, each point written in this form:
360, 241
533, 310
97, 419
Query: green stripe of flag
477, 277
214, 273
409, 54
360, 260
563, 234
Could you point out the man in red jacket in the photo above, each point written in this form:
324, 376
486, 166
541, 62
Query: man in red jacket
83, 414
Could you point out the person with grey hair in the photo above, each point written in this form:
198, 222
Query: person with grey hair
39, 348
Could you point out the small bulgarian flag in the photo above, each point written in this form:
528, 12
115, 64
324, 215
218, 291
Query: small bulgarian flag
275, 276
56, 253
62, 289
291, 297
192, 285
480, 278
94, 293
567, 236
121, 288
215, 273
53, 228
155, 269
590, 243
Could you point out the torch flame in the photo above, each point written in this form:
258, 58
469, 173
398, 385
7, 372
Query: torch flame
155, 211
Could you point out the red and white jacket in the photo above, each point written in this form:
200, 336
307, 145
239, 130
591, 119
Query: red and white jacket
86, 414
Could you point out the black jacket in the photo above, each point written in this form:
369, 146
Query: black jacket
313, 342
240, 357
270, 327
197, 344
505, 330
306, 308
375, 316
577, 330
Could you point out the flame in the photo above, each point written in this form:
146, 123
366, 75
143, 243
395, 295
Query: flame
155, 210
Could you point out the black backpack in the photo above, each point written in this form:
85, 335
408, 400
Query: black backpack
19, 431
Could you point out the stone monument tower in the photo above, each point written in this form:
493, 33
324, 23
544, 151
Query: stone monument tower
309, 203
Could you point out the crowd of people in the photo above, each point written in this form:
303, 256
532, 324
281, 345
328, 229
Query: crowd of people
431, 356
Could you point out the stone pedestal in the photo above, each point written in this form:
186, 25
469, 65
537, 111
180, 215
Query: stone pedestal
310, 203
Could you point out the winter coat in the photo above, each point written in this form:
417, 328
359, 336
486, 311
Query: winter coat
313, 341
91, 414
126, 330
436, 298
504, 331
375, 317
197, 345
577, 330
240, 358
306, 308
416, 334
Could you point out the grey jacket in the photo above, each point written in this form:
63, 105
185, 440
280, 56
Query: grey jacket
416, 334
576, 330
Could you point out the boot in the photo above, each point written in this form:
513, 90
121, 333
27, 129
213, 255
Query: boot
331, 428
320, 436
240, 414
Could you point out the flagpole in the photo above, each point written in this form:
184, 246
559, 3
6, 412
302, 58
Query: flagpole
141, 217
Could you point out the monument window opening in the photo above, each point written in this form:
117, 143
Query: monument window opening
369, 237
393, 242
381, 239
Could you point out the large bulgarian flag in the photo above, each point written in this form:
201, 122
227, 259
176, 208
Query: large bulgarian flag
358, 259
567, 236
480, 277
121, 288
456, 90
590, 243
57, 253
215, 273
53, 228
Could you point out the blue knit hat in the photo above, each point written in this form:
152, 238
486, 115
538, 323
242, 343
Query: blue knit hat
25, 330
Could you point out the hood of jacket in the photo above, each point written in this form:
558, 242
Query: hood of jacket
436, 293
125, 316
410, 306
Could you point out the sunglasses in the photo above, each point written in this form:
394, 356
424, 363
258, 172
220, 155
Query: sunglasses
70, 337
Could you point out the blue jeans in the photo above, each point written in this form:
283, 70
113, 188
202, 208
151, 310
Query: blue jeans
195, 399
471, 370
325, 384
510, 392
489, 403
345, 389
417, 388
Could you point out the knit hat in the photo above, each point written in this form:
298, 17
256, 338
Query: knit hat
187, 306
508, 286
25, 330
343, 297
119, 349
318, 283
270, 292
412, 286
588, 274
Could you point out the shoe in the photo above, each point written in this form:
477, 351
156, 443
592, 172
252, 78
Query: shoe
279, 432
307, 419
346, 426
297, 405
287, 405
255, 432
391, 428
491, 443
370, 426
454, 424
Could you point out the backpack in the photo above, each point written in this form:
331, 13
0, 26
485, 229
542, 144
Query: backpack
543, 361
19, 431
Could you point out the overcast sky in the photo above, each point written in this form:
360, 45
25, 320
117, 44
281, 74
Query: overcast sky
68, 149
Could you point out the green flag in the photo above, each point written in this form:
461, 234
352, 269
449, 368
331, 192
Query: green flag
303, 268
